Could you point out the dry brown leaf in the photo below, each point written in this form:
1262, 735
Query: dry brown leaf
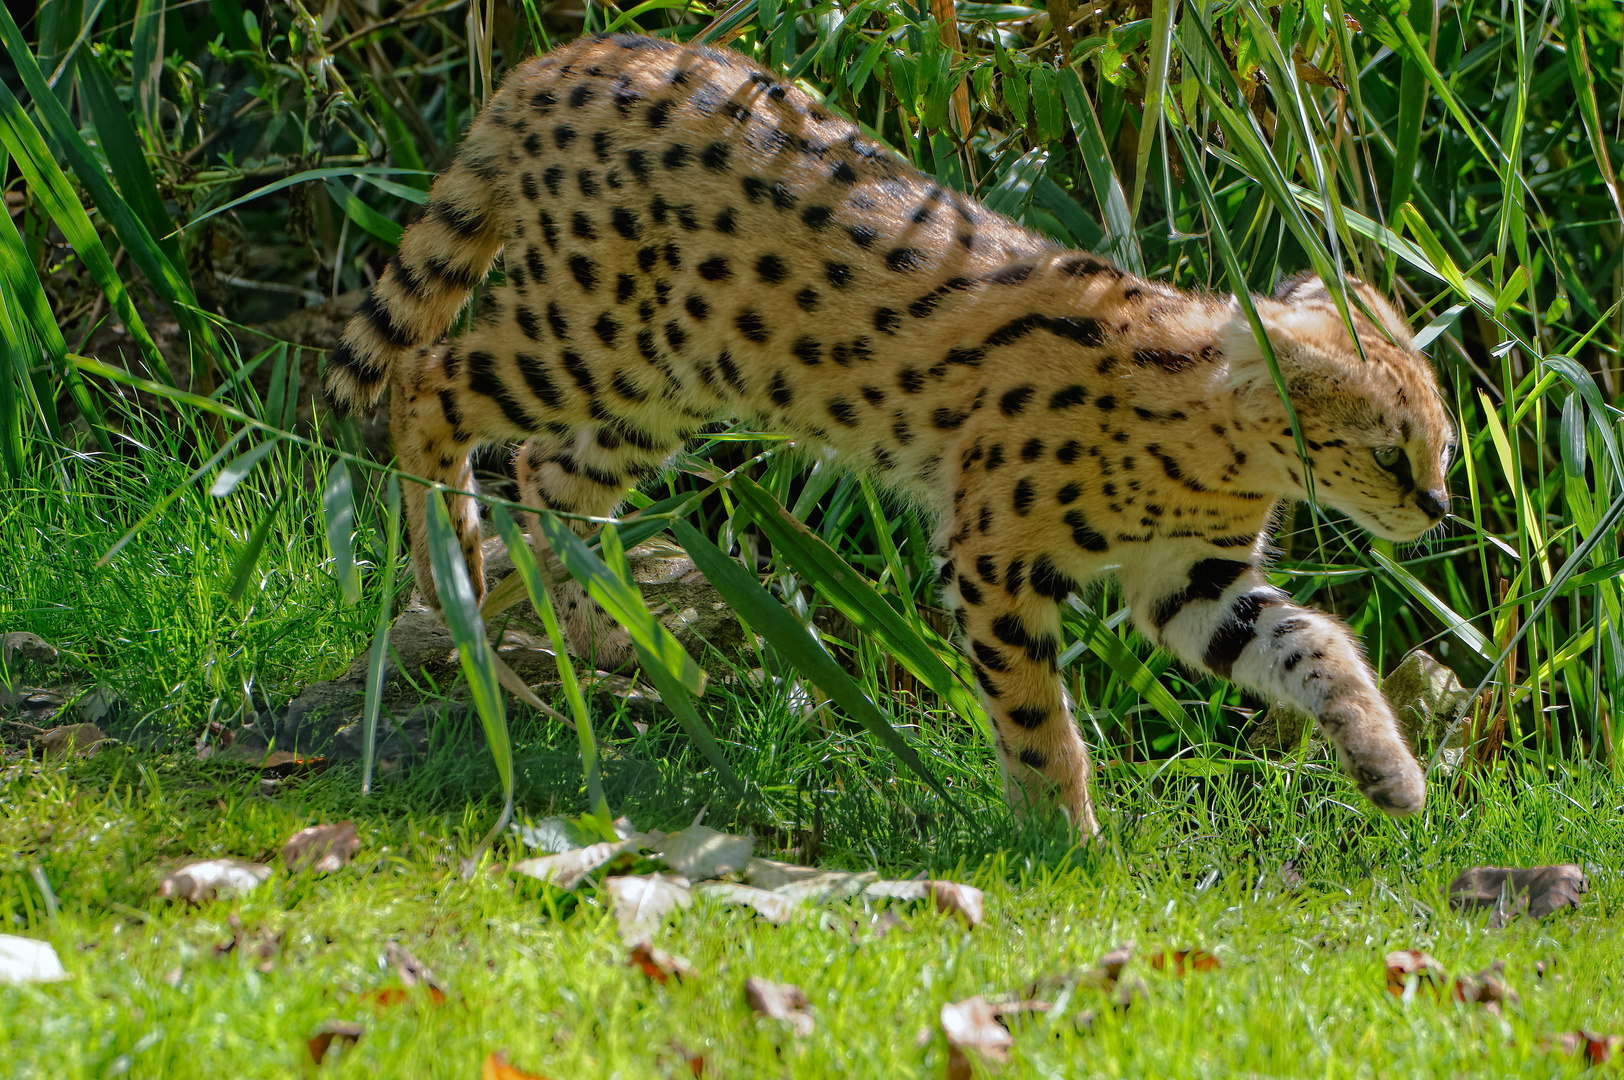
658, 964
497, 1068
81, 739
284, 765
322, 848
1507, 891
700, 853
1406, 967
212, 879
972, 1027
1486, 988
1312, 75
952, 898
343, 1032
1595, 1048
641, 903
1183, 960
772, 874
568, 869
1352, 24
216, 739
780, 1001
774, 907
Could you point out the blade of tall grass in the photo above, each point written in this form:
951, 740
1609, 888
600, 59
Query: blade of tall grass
791, 639
248, 559
461, 612
913, 644
233, 474
124, 154
1121, 241
1582, 78
524, 566
1092, 631
338, 509
377, 655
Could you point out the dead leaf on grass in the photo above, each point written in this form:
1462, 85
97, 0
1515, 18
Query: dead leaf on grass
343, 1032
259, 946
322, 848
213, 879
25, 960
771, 874
1179, 961
1412, 968
81, 739
774, 907
780, 1001
827, 886
215, 740
1508, 891
700, 853
952, 898
497, 1068
286, 765
972, 1027
568, 869
658, 964
871, 928
1487, 988
641, 903
1596, 1049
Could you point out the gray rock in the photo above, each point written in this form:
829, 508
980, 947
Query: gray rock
1424, 695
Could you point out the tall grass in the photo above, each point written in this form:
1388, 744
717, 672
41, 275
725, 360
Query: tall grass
210, 162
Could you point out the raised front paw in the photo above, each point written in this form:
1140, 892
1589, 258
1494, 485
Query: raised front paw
1396, 786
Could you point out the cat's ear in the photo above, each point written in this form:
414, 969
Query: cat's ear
1306, 289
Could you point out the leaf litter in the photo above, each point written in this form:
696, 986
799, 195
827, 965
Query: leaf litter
1506, 892
25, 960
321, 849
780, 1001
213, 879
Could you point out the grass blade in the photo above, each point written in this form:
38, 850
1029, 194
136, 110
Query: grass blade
377, 655
249, 558
338, 508
524, 565
914, 645
791, 639
623, 603
461, 612
233, 474
1092, 631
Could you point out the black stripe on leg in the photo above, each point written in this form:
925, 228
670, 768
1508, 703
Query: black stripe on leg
1208, 580
1237, 631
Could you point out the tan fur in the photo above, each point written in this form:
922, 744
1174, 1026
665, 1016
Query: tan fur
685, 238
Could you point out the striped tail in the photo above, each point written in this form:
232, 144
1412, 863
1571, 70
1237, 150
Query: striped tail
441, 259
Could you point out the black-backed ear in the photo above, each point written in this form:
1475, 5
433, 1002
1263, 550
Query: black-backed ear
1308, 288
1303, 285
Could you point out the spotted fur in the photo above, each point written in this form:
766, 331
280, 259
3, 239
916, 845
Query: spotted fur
685, 237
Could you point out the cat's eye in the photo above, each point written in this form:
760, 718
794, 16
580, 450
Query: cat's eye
1387, 456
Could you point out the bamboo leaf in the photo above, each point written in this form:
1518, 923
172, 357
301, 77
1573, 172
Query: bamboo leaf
233, 474
338, 508
243, 569
378, 653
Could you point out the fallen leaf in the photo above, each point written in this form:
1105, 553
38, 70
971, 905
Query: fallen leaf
772, 874
1352, 24
24, 960
20, 644
216, 739
81, 739
780, 1001
774, 907
658, 964
1486, 988
213, 879
699, 852
568, 869
876, 927
642, 903
953, 898
1183, 960
827, 886
972, 1027
497, 1068
285, 765
1595, 1048
389, 997
1507, 891
322, 848
1412, 967
342, 1032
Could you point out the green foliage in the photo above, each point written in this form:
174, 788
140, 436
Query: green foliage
1459, 157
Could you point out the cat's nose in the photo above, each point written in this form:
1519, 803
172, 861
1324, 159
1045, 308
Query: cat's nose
1432, 503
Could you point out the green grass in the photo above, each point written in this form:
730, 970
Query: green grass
1302, 989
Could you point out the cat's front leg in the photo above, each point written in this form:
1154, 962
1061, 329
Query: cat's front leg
1219, 613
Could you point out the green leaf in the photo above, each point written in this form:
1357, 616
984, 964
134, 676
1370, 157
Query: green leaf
1092, 631
249, 557
1121, 242
1456, 624
792, 640
338, 508
233, 474
461, 611
623, 603
1046, 103
363, 215
524, 564
125, 157
913, 644
377, 656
